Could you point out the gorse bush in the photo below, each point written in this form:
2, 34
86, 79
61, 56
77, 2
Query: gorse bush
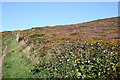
74, 33
20, 39
93, 61
37, 35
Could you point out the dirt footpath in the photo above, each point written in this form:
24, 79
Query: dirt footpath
2, 58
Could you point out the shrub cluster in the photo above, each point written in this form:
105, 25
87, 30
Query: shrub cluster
93, 61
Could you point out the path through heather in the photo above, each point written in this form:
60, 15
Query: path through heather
2, 58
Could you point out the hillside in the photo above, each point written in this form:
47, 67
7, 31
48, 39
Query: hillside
88, 50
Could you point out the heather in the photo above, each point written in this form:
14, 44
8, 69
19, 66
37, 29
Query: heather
85, 51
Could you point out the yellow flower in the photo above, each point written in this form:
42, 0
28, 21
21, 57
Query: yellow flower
101, 40
114, 69
72, 71
78, 62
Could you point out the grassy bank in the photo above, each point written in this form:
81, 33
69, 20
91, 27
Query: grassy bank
96, 61
16, 65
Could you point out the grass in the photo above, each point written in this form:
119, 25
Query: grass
16, 63
3, 39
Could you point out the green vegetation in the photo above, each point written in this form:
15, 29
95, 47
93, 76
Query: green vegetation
3, 39
16, 63
20, 39
74, 33
37, 35
73, 51
95, 62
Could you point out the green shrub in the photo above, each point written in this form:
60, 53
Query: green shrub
20, 39
74, 33
78, 61
37, 35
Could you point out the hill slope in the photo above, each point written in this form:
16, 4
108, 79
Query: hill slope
85, 50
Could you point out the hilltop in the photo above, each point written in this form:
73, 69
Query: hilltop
84, 50
98, 29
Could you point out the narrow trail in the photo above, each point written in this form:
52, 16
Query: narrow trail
2, 58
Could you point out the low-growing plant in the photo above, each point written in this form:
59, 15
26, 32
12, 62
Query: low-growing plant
93, 61
20, 39
37, 35
74, 33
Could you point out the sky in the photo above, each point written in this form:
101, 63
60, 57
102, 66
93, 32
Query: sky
25, 15
60, 0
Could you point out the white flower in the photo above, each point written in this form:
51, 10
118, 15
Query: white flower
98, 43
104, 50
113, 47
66, 76
111, 52
83, 77
78, 74
75, 61
68, 60
55, 69
88, 61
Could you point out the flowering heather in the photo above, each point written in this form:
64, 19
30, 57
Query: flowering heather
87, 50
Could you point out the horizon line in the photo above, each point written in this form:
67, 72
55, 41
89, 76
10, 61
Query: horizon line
62, 24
